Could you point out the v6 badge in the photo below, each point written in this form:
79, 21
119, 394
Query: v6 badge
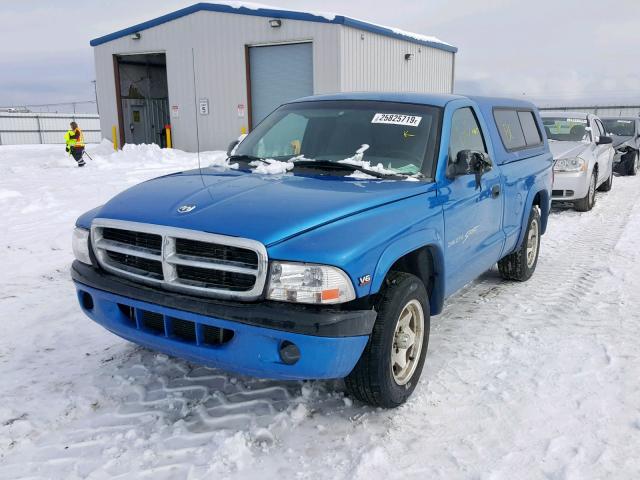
364, 280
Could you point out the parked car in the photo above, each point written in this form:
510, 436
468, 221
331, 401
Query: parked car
583, 157
390, 203
625, 133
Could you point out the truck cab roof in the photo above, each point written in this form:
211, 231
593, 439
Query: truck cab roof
433, 99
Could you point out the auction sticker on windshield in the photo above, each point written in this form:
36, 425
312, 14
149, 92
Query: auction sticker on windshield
397, 119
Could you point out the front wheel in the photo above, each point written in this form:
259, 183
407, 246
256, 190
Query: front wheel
521, 264
391, 364
585, 204
606, 186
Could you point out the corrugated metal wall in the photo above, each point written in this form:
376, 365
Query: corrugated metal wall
30, 128
606, 111
372, 62
341, 62
218, 41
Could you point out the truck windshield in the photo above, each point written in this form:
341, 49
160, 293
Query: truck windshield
620, 126
400, 137
567, 129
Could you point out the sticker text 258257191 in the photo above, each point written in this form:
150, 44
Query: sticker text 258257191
396, 119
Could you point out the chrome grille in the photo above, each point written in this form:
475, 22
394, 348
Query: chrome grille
180, 259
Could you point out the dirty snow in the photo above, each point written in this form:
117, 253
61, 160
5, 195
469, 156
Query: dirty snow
532, 380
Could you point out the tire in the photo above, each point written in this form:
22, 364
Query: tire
521, 264
632, 165
585, 204
606, 186
377, 379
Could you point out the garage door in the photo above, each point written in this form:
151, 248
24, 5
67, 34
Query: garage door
279, 73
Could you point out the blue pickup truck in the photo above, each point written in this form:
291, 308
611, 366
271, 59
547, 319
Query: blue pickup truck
339, 226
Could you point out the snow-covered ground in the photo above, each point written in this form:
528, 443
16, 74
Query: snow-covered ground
533, 380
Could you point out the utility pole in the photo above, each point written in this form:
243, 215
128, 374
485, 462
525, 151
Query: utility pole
95, 92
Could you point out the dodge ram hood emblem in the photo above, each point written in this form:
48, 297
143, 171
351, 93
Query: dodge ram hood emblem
186, 208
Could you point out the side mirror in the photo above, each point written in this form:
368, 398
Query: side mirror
603, 140
231, 147
468, 162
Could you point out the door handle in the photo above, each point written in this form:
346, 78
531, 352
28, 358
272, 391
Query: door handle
495, 191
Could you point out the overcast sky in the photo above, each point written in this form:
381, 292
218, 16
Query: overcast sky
551, 51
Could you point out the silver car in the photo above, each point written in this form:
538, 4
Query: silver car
583, 157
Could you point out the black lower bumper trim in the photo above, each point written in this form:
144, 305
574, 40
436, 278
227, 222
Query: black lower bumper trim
323, 322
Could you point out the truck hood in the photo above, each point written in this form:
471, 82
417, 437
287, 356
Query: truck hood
567, 149
267, 208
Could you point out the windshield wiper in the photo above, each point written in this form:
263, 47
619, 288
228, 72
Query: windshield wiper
247, 158
329, 165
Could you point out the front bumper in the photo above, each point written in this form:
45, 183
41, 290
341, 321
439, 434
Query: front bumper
569, 186
120, 306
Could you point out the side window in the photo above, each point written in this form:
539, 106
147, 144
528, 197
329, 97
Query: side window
465, 133
529, 128
511, 133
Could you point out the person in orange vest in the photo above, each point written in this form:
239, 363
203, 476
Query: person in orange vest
74, 140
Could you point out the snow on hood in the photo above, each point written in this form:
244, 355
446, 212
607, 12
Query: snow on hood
357, 160
567, 149
271, 166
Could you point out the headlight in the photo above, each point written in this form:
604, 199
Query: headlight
309, 283
80, 245
570, 165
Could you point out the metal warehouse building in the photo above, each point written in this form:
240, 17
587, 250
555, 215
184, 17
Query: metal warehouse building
216, 70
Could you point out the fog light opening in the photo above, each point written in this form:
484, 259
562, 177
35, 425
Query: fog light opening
289, 352
87, 301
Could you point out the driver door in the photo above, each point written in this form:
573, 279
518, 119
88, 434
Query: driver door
472, 214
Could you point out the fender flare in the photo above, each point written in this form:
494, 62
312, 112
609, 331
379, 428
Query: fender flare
545, 207
404, 245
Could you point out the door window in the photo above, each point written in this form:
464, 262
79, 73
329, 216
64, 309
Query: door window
465, 133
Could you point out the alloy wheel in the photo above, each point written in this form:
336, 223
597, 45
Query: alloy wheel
407, 342
532, 243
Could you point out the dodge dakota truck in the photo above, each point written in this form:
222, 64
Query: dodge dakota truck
322, 247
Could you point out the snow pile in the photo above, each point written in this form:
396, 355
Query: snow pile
271, 166
357, 160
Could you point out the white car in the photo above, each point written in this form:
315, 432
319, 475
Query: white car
583, 157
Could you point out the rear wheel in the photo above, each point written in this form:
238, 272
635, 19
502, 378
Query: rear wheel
585, 204
391, 364
521, 264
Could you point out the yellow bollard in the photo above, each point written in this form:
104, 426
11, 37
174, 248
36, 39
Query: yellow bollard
114, 137
243, 130
168, 130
